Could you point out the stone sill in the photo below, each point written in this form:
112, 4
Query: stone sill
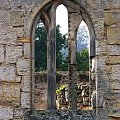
66, 115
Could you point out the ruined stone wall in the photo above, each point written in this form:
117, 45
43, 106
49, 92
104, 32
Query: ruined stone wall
16, 20
62, 79
112, 55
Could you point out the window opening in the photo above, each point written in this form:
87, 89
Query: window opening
40, 66
84, 64
61, 56
46, 52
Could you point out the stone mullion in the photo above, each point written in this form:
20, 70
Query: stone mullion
72, 84
51, 59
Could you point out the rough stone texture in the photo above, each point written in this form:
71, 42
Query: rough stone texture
2, 53
27, 50
19, 31
25, 83
4, 18
13, 53
6, 113
8, 36
114, 50
113, 35
115, 72
23, 66
25, 99
11, 93
112, 18
17, 17
8, 73
18, 114
66, 115
41, 95
113, 60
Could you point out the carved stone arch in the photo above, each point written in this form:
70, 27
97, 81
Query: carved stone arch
47, 14
86, 18
39, 14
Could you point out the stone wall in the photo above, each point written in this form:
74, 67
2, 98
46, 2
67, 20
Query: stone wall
62, 79
17, 18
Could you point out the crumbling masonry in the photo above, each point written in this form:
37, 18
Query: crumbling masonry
18, 19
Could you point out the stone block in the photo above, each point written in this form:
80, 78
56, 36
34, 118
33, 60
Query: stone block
98, 13
17, 18
25, 84
115, 4
23, 66
27, 25
1, 92
18, 79
74, 20
4, 4
101, 50
8, 36
24, 40
100, 98
101, 47
11, 93
4, 18
100, 63
6, 113
113, 49
21, 3
114, 110
112, 17
13, 53
115, 72
99, 29
102, 82
18, 114
25, 100
2, 53
115, 84
111, 4
111, 60
27, 50
19, 31
7, 73
113, 35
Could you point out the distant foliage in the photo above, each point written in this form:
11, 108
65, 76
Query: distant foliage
41, 48
82, 38
61, 46
83, 60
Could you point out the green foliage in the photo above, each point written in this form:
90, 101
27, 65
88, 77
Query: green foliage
83, 60
61, 43
41, 48
59, 90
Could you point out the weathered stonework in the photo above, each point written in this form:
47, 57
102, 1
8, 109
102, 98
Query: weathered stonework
13, 53
6, 113
25, 99
23, 66
17, 18
17, 21
8, 73
2, 53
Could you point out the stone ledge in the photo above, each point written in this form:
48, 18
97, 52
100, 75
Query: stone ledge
65, 115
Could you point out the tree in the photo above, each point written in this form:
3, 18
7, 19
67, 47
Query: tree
83, 60
41, 48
